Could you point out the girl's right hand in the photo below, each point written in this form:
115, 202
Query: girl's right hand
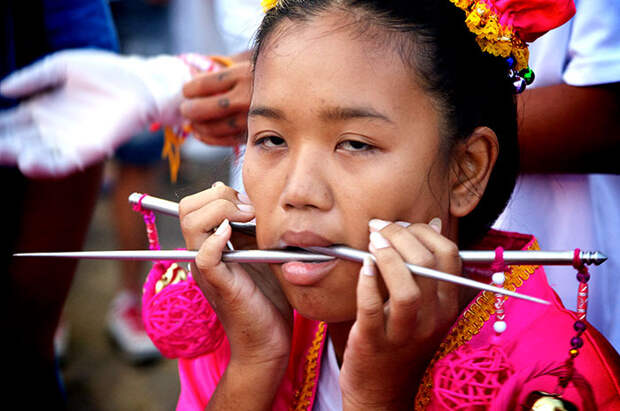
250, 304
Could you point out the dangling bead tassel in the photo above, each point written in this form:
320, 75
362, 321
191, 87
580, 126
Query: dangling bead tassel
149, 222
470, 378
499, 266
565, 372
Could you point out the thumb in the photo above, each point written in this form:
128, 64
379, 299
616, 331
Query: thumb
47, 73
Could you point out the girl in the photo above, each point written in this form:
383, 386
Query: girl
381, 125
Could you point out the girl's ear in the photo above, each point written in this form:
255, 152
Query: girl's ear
472, 164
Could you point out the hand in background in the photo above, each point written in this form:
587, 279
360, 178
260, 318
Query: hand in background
217, 103
79, 105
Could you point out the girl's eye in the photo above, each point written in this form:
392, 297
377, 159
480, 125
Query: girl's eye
354, 145
270, 142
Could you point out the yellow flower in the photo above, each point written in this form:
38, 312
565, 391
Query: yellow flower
268, 4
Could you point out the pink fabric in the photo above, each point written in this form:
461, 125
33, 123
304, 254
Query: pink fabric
532, 18
199, 376
536, 335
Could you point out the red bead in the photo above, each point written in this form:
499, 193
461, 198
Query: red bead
583, 277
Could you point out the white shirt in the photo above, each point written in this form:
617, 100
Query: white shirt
328, 395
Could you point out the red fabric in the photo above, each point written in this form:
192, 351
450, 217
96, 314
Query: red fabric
532, 18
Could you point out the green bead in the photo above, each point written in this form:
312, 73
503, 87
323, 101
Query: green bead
527, 75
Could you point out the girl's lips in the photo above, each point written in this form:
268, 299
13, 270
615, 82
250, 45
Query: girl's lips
299, 273
304, 239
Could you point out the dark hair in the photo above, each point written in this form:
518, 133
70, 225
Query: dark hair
470, 88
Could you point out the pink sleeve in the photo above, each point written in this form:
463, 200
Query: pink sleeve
199, 376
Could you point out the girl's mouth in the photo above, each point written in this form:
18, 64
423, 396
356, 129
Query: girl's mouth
303, 273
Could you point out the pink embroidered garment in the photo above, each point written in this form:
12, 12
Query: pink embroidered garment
536, 336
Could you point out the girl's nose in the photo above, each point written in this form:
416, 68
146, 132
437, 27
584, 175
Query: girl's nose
307, 182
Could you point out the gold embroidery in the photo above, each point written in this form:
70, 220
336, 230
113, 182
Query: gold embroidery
303, 395
490, 35
470, 324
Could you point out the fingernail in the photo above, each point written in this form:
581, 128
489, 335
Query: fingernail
368, 267
222, 227
217, 184
246, 208
403, 224
376, 225
243, 197
435, 223
378, 241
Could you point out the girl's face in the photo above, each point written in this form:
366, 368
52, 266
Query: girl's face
338, 133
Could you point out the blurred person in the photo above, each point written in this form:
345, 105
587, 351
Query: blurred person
46, 214
125, 95
570, 138
142, 29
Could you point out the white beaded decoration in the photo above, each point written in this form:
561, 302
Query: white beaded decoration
500, 325
499, 278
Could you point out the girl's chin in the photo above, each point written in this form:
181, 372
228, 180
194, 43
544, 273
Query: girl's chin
321, 292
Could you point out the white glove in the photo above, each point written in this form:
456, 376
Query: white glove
82, 104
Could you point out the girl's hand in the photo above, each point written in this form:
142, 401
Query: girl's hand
392, 342
251, 307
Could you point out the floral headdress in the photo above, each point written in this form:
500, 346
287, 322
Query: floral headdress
504, 27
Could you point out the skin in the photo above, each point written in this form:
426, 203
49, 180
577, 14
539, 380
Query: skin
331, 158
216, 104
568, 129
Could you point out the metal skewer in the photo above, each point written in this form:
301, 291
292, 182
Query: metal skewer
352, 254
228, 256
171, 208
510, 257
326, 253
267, 256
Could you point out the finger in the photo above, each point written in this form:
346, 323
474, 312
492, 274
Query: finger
446, 252
235, 124
411, 249
50, 72
210, 108
15, 117
447, 259
206, 84
405, 294
230, 140
197, 226
212, 275
218, 190
370, 314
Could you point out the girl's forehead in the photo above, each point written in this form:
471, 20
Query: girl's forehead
340, 33
323, 62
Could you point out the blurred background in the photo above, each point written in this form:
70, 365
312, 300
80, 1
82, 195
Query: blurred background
100, 370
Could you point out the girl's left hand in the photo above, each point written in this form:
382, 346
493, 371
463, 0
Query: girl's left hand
392, 342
